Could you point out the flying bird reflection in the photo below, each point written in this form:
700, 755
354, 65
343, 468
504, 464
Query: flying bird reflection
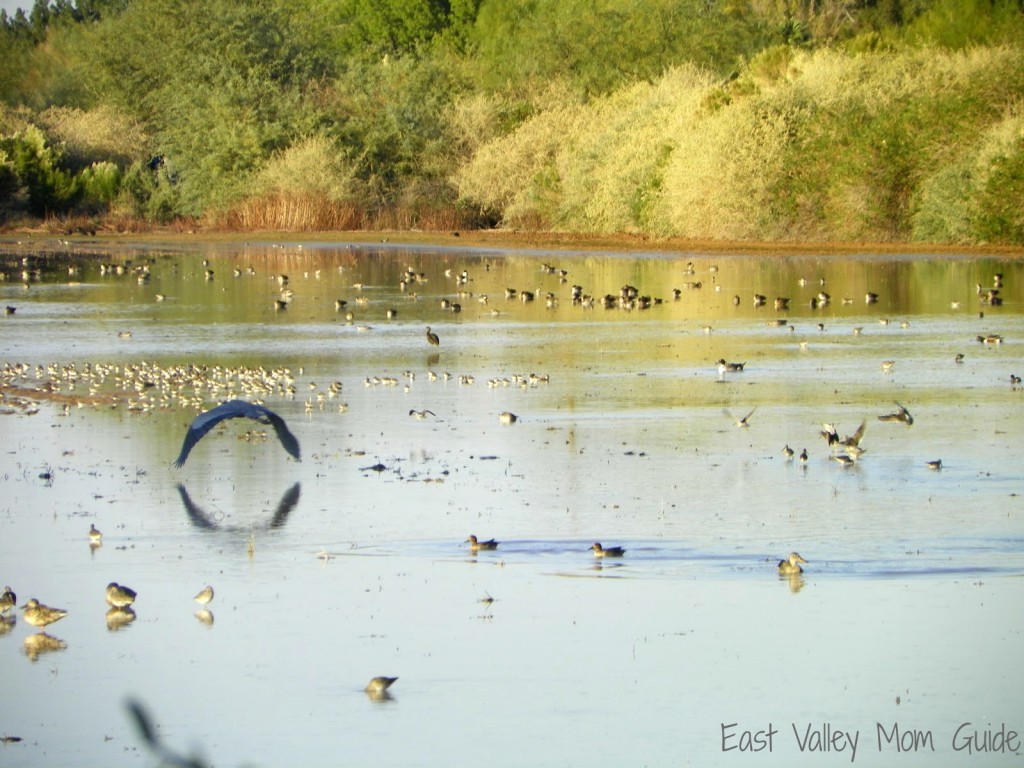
234, 409
202, 519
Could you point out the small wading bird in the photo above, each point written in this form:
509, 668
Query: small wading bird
432, 338
600, 551
791, 565
8, 601
39, 615
475, 544
120, 596
205, 596
234, 409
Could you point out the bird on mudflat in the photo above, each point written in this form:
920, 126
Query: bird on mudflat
234, 409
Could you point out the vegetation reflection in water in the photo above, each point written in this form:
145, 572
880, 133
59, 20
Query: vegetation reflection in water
621, 437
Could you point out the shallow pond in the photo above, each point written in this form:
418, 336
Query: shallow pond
352, 564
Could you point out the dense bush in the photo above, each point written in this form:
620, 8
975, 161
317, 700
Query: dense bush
769, 119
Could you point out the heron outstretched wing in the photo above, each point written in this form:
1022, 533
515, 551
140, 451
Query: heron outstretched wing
288, 440
234, 409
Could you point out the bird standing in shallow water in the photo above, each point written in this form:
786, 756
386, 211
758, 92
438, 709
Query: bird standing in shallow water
120, 596
234, 409
8, 601
39, 615
432, 338
600, 551
205, 595
791, 565
95, 536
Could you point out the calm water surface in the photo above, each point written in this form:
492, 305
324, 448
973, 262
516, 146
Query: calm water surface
351, 564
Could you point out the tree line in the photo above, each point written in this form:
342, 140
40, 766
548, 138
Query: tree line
359, 113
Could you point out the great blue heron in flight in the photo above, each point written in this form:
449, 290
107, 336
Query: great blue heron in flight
234, 409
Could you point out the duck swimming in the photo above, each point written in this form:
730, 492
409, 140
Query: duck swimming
791, 565
600, 551
475, 544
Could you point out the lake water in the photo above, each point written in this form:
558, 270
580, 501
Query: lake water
352, 564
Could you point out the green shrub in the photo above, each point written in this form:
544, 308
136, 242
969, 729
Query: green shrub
37, 166
101, 183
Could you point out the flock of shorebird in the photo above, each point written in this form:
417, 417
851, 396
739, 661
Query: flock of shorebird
194, 385
119, 598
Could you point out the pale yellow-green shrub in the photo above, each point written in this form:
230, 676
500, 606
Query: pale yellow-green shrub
94, 135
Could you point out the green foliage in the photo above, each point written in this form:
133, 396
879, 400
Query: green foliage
391, 117
100, 184
243, 91
37, 166
960, 24
822, 145
148, 193
398, 26
601, 45
852, 119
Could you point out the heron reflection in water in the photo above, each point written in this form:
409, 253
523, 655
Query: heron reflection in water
234, 409
202, 519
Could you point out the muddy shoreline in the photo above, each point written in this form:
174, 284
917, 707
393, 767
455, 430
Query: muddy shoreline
533, 240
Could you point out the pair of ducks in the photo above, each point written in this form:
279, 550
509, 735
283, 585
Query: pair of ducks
787, 567
475, 545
